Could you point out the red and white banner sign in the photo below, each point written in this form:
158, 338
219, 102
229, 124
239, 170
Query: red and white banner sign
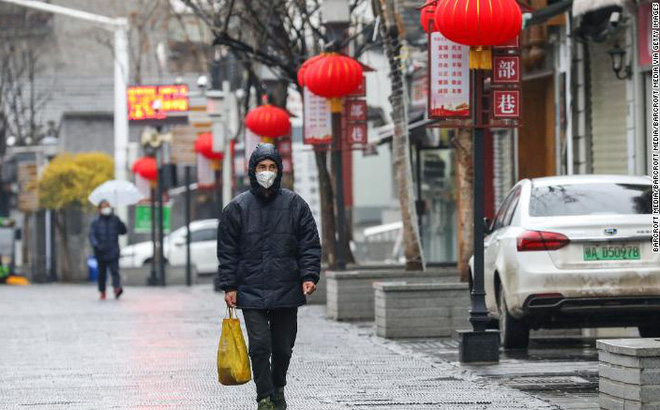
506, 69
506, 104
250, 143
317, 119
449, 73
205, 172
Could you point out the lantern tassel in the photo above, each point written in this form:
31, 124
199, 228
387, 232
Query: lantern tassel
335, 105
267, 140
481, 58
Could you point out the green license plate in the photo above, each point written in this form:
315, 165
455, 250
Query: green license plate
611, 252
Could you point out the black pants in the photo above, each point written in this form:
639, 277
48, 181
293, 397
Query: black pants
271, 335
104, 266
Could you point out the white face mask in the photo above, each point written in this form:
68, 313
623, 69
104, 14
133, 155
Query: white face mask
106, 211
266, 178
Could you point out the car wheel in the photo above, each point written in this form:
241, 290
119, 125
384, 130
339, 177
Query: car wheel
649, 331
514, 333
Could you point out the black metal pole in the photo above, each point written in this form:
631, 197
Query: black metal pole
188, 265
337, 166
161, 253
153, 279
479, 312
218, 190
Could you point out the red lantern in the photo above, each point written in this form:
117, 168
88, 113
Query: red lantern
303, 68
479, 23
426, 14
268, 121
204, 145
146, 168
334, 76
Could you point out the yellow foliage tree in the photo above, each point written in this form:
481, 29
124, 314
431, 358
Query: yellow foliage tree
69, 179
67, 182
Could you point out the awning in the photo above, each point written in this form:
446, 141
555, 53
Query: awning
542, 15
581, 7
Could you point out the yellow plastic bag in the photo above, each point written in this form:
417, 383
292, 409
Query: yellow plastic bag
233, 361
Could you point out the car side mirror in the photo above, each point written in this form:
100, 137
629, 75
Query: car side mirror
179, 241
487, 228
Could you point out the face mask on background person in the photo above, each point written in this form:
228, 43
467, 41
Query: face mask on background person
266, 178
106, 211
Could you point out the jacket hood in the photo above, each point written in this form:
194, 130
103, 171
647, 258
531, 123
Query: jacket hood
262, 152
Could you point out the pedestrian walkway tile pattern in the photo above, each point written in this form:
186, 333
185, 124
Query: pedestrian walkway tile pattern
60, 348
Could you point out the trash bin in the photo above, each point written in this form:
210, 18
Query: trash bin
92, 268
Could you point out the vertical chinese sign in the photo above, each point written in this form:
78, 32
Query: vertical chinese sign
355, 122
505, 94
449, 78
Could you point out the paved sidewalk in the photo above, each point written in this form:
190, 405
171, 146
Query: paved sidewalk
62, 348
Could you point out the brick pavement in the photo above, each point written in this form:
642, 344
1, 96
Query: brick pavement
60, 348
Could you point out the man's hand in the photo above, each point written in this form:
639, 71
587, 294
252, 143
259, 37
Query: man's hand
308, 288
230, 299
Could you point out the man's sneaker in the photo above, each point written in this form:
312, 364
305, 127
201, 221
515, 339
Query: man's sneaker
279, 402
266, 404
102, 296
118, 292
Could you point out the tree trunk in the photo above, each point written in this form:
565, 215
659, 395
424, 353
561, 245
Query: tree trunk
464, 214
328, 240
401, 141
62, 228
348, 225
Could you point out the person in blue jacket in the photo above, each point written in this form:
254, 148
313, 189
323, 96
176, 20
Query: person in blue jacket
104, 237
270, 260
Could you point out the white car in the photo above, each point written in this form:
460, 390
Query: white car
203, 245
571, 252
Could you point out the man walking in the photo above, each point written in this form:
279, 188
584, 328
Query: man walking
270, 258
104, 237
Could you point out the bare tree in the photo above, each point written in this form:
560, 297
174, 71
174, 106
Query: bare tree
391, 34
146, 19
21, 100
279, 34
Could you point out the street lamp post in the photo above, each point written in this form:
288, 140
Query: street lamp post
481, 25
480, 344
50, 149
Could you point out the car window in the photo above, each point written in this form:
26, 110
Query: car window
499, 218
202, 235
511, 210
590, 199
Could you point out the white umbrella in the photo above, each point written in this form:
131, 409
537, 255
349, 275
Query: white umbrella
117, 193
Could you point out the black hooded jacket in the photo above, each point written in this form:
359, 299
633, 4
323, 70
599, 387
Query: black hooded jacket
268, 243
